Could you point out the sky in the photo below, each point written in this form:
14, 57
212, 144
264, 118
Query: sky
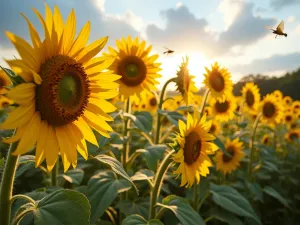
228, 31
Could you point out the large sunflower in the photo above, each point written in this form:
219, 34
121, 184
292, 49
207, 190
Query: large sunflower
271, 109
229, 161
193, 143
223, 111
184, 81
4, 81
138, 70
218, 81
65, 91
251, 96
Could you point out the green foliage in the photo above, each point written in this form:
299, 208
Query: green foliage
139, 220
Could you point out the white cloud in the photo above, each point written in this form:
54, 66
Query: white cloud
179, 4
298, 29
291, 19
230, 9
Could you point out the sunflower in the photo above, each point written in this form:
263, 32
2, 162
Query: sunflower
278, 95
208, 111
293, 135
251, 96
184, 81
229, 161
149, 103
4, 81
287, 100
193, 145
215, 128
288, 118
218, 81
271, 109
4, 102
138, 70
266, 140
65, 91
197, 100
296, 106
223, 111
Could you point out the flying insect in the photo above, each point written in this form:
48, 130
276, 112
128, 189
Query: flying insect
169, 51
279, 29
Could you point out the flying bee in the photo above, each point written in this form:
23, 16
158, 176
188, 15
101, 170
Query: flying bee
169, 51
279, 29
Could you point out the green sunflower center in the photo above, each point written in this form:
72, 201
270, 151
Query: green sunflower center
249, 98
133, 70
222, 107
229, 154
63, 95
192, 148
217, 81
269, 110
153, 102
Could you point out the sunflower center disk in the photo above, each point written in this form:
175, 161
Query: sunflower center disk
217, 81
288, 118
212, 128
133, 71
192, 148
249, 98
294, 136
153, 101
64, 92
222, 107
229, 154
268, 110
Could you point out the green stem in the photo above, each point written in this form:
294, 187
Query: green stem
195, 196
252, 145
7, 185
208, 219
19, 217
54, 174
161, 101
203, 200
25, 197
125, 134
158, 183
204, 101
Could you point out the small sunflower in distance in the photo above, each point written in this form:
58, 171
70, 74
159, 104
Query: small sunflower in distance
218, 81
296, 106
184, 81
266, 139
193, 145
138, 70
223, 110
4, 102
278, 95
251, 96
230, 160
293, 135
288, 118
271, 109
65, 94
215, 128
287, 100
4, 81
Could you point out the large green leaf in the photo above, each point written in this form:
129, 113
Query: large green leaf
220, 144
103, 188
73, 176
231, 200
226, 217
66, 207
142, 120
139, 206
275, 194
139, 220
143, 174
25, 163
153, 154
182, 210
256, 190
116, 167
172, 116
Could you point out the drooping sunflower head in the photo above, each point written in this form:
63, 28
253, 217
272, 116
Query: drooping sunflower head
287, 100
278, 95
4, 82
193, 145
251, 96
65, 94
138, 70
223, 110
218, 80
228, 161
293, 135
271, 109
296, 106
215, 128
266, 139
184, 81
288, 118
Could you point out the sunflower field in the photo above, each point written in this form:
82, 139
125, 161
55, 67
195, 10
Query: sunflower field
88, 138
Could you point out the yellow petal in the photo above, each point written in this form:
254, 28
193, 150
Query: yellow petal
35, 38
97, 119
105, 105
40, 152
98, 111
77, 137
100, 67
29, 139
22, 94
96, 126
17, 136
81, 40
58, 21
69, 33
51, 148
86, 131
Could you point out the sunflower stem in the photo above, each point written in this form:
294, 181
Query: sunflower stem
161, 101
252, 145
158, 181
7, 185
195, 196
19, 217
54, 174
204, 102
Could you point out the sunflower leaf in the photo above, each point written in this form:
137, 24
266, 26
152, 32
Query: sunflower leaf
16, 79
143, 174
231, 200
137, 219
153, 154
142, 120
226, 217
73, 176
103, 188
55, 209
273, 193
1, 162
220, 144
116, 167
139, 206
182, 210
